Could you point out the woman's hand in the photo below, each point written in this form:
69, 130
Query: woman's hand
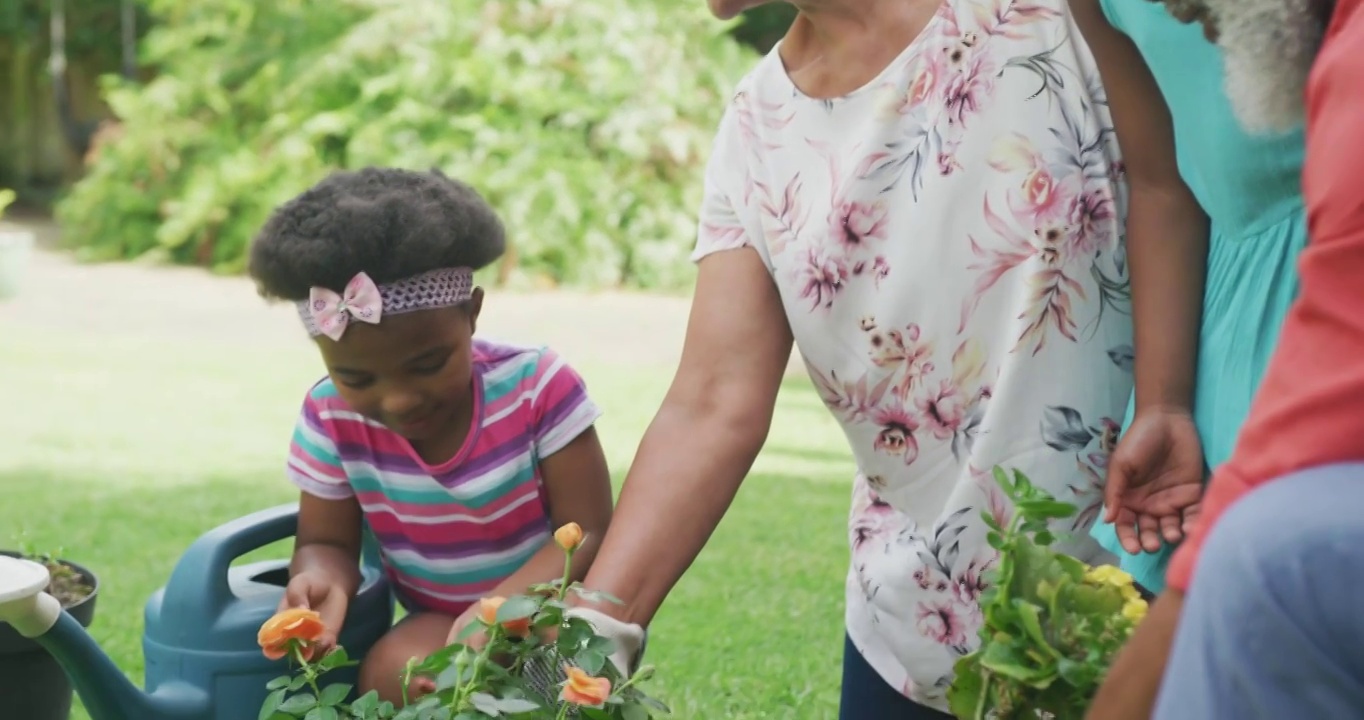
1155, 479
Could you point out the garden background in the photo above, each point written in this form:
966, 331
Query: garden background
150, 393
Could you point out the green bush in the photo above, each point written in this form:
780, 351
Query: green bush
585, 122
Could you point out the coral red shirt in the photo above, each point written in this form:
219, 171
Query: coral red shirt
1310, 410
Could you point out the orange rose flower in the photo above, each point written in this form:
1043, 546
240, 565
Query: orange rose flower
583, 689
569, 536
487, 612
298, 625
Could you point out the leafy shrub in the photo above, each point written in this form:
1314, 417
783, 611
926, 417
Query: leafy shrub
585, 122
761, 27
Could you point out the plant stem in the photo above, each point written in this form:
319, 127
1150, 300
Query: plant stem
984, 694
568, 572
563, 711
463, 692
308, 670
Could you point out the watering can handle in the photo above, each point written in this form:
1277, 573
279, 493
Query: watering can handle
199, 584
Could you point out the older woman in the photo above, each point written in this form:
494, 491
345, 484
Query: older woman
928, 197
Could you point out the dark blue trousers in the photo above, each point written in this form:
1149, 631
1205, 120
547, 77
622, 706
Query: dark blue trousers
867, 697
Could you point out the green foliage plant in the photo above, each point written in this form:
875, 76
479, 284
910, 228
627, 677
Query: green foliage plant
529, 638
587, 124
1052, 624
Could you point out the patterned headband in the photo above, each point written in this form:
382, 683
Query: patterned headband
327, 313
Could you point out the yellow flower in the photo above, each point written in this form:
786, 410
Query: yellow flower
1114, 577
1134, 609
569, 537
1109, 575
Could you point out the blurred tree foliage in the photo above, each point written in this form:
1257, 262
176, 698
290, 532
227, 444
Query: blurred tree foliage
761, 27
92, 28
585, 122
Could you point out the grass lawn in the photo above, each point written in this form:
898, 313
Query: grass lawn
120, 450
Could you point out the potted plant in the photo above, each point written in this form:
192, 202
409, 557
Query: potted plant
1052, 625
33, 685
16, 244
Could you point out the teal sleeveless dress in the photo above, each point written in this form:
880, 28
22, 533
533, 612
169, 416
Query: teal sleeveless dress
1249, 185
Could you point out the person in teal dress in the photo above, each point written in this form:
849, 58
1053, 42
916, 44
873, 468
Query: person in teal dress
1249, 187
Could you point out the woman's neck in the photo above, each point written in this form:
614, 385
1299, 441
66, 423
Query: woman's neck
836, 46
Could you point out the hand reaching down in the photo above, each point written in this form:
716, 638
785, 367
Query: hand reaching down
1155, 480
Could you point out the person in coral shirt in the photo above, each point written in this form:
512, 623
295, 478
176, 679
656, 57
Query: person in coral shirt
1260, 619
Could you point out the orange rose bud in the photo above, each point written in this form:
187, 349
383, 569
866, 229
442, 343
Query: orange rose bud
487, 612
583, 689
295, 625
569, 536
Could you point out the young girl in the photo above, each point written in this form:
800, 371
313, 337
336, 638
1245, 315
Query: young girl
461, 454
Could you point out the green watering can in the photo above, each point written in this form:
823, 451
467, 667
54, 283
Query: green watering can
202, 659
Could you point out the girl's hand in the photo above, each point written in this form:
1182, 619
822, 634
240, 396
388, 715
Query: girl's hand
1155, 480
315, 591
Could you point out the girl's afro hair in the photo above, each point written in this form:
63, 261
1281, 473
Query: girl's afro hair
388, 223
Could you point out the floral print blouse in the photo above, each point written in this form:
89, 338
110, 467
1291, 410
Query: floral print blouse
948, 245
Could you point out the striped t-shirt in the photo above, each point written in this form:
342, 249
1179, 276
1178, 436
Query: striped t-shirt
449, 533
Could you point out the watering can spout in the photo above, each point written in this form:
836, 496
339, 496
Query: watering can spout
104, 689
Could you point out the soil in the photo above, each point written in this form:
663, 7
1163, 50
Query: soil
67, 585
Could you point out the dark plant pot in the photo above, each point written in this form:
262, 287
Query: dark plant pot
33, 685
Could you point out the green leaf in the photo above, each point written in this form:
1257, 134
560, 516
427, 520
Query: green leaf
517, 607
322, 713
334, 694
575, 633
1045, 509
298, 704
601, 644
964, 695
469, 631
272, 702
634, 712
298, 682
1002, 659
590, 661
656, 707
365, 705
486, 704
334, 659
1078, 674
280, 682
1029, 617
516, 706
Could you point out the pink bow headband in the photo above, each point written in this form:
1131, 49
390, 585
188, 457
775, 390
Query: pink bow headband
326, 312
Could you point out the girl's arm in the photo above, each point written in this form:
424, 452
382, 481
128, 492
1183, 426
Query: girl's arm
578, 489
325, 571
1157, 469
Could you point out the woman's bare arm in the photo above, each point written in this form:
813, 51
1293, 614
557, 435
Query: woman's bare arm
702, 442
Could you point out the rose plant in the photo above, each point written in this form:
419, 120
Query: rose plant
1052, 624
530, 639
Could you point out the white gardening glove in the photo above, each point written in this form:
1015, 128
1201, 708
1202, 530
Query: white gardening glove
628, 637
